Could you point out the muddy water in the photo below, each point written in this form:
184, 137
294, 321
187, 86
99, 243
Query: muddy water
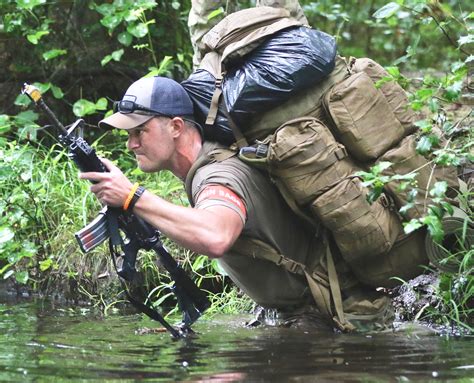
40, 343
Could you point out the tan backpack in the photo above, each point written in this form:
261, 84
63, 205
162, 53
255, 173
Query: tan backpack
312, 146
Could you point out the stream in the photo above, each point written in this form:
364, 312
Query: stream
40, 342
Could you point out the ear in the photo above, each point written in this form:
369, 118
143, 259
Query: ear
177, 126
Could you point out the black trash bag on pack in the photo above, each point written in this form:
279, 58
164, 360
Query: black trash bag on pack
289, 62
200, 86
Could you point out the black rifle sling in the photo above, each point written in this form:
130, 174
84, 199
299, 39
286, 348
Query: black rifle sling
142, 307
112, 220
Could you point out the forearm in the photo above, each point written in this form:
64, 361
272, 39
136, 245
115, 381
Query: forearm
211, 232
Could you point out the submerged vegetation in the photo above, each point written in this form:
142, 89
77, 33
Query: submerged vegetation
81, 53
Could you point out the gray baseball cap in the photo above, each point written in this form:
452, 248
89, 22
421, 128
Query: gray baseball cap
147, 98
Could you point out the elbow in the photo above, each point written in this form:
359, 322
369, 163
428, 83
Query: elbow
218, 247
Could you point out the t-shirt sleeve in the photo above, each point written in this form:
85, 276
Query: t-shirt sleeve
221, 184
218, 195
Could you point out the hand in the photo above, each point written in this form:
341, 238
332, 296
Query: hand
111, 188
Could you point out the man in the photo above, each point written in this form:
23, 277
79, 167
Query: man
237, 216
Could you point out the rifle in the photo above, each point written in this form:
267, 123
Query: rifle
139, 234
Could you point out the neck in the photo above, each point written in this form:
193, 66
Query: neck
187, 150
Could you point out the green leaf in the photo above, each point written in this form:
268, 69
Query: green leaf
111, 21
106, 60
22, 100
116, 56
15, 257
83, 107
5, 124
138, 30
435, 227
424, 93
29, 4
426, 143
53, 53
405, 208
393, 71
453, 91
125, 38
411, 226
104, 9
22, 277
28, 117
439, 189
458, 66
6, 234
219, 11
380, 167
165, 65
101, 104
433, 105
463, 40
175, 5
43, 86
425, 125
57, 92
386, 11
45, 264
35, 37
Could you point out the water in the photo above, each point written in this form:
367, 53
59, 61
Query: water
40, 343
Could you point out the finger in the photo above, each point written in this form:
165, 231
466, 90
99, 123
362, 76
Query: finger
92, 176
108, 164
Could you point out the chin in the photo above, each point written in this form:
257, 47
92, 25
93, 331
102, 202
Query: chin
147, 169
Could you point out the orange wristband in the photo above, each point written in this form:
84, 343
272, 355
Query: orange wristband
130, 196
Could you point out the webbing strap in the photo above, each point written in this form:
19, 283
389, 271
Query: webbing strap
321, 294
341, 321
308, 152
259, 249
214, 107
240, 139
219, 155
300, 169
341, 200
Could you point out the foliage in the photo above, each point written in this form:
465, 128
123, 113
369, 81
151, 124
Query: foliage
456, 292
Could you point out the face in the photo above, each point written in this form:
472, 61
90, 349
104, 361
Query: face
153, 144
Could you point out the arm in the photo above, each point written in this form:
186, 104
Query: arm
211, 231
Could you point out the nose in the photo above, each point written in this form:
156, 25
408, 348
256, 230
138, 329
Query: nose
133, 142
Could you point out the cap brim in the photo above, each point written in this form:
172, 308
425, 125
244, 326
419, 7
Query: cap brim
124, 121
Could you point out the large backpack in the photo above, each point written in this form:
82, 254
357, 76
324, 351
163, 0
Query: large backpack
313, 144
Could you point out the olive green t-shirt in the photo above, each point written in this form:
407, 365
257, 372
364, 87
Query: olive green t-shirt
270, 220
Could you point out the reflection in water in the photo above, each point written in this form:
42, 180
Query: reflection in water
41, 344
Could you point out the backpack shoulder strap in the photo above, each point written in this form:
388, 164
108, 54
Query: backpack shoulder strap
215, 155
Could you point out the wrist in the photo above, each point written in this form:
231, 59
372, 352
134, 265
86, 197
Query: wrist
138, 193
133, 196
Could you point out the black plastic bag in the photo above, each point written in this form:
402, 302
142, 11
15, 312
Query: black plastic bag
200, 87
286, 63
289, 62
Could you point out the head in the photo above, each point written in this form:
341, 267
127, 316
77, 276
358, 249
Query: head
158, 116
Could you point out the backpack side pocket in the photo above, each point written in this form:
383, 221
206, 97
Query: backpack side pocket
304, 156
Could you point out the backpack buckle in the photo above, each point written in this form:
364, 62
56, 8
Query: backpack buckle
290, 265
